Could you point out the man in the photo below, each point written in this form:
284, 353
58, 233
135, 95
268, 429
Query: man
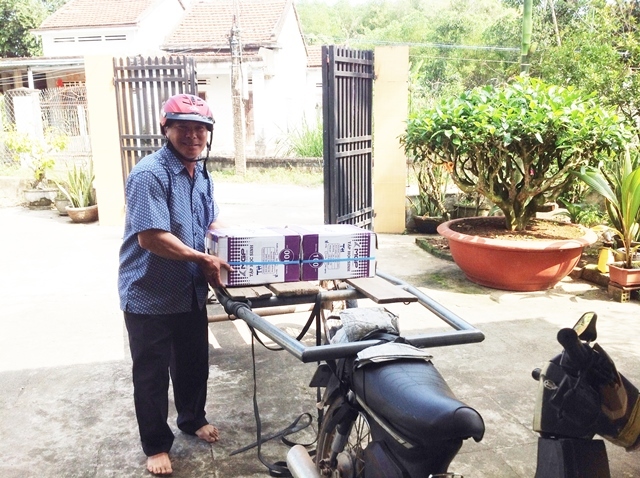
163, 279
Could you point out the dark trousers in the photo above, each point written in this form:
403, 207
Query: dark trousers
173, 345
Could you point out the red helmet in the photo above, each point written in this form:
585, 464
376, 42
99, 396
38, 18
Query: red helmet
184, 107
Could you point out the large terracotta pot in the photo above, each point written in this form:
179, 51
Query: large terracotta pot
511, 264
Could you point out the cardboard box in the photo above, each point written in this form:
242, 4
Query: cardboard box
258, 255
336, 251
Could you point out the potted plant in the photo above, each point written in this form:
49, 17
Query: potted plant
620, 187
37, 155
515, 145
81, 194
428, 207
470, 205
61, 201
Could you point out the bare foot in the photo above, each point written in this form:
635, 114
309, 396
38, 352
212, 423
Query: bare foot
208, 433
159, 464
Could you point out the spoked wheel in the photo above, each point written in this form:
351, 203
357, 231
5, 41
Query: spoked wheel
349, 461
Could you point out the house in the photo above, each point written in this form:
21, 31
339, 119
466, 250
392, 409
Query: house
277, 98
278, 95
114, 27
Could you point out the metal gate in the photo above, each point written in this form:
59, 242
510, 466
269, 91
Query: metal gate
141, 87
347, 93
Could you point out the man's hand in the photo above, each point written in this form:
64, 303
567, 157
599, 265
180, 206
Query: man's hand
211, 267
165, 244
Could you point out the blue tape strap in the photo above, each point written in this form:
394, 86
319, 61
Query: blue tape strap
340, 259
262, 263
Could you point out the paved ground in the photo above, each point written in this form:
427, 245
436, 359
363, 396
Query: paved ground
66, 408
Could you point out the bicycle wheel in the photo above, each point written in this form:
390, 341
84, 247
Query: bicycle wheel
349, 461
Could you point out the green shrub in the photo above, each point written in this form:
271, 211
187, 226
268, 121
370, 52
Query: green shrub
516, 144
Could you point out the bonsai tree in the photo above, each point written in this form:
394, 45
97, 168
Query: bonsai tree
516, 144
620, 188
36, 153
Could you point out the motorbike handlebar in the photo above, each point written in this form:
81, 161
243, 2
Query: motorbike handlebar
574, 348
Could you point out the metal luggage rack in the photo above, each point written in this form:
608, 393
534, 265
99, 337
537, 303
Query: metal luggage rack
381, 289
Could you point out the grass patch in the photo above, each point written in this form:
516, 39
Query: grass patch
296, 176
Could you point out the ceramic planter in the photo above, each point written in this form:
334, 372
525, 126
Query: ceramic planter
511, 264
40, 198
61, 206
460, 211
83, 214
624, 277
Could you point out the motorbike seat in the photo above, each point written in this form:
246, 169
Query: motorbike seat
414, 399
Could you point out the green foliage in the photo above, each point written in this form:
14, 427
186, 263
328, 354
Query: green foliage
36, 153
588, 215
620, 187
515, 145
303, 142
454, 44
18, 18
78, 188
432, 187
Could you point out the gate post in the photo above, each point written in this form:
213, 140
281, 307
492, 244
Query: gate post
390, 110
105, 139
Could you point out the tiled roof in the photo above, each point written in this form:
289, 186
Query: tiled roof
96, 13
208, 24
314, 56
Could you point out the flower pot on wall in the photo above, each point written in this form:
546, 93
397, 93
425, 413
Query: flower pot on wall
83, 214
516, 265
622, 276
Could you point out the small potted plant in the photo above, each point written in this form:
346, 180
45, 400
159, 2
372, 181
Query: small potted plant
620, 188
81, 194
428, 207
61, 201
37, 155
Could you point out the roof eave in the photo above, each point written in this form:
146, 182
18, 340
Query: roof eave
40, 31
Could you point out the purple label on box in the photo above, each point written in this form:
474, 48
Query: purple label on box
336, 253
290, 255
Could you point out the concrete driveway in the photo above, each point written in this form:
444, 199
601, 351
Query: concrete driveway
66, 407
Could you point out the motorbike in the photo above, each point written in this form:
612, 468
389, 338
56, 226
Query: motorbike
385, 411
388, 412
581, 394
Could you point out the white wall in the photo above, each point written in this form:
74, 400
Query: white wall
313, 100
281, 94
285, 93
218, 94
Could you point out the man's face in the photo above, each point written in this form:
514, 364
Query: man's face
188, 137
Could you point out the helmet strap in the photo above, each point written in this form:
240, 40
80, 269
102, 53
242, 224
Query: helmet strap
173, 149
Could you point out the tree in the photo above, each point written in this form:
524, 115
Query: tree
599, 52
18, 18
517, 144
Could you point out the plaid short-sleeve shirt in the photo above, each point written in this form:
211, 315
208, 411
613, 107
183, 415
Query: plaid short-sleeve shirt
160, 194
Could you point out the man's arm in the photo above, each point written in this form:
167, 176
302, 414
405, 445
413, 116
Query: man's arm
165, 244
